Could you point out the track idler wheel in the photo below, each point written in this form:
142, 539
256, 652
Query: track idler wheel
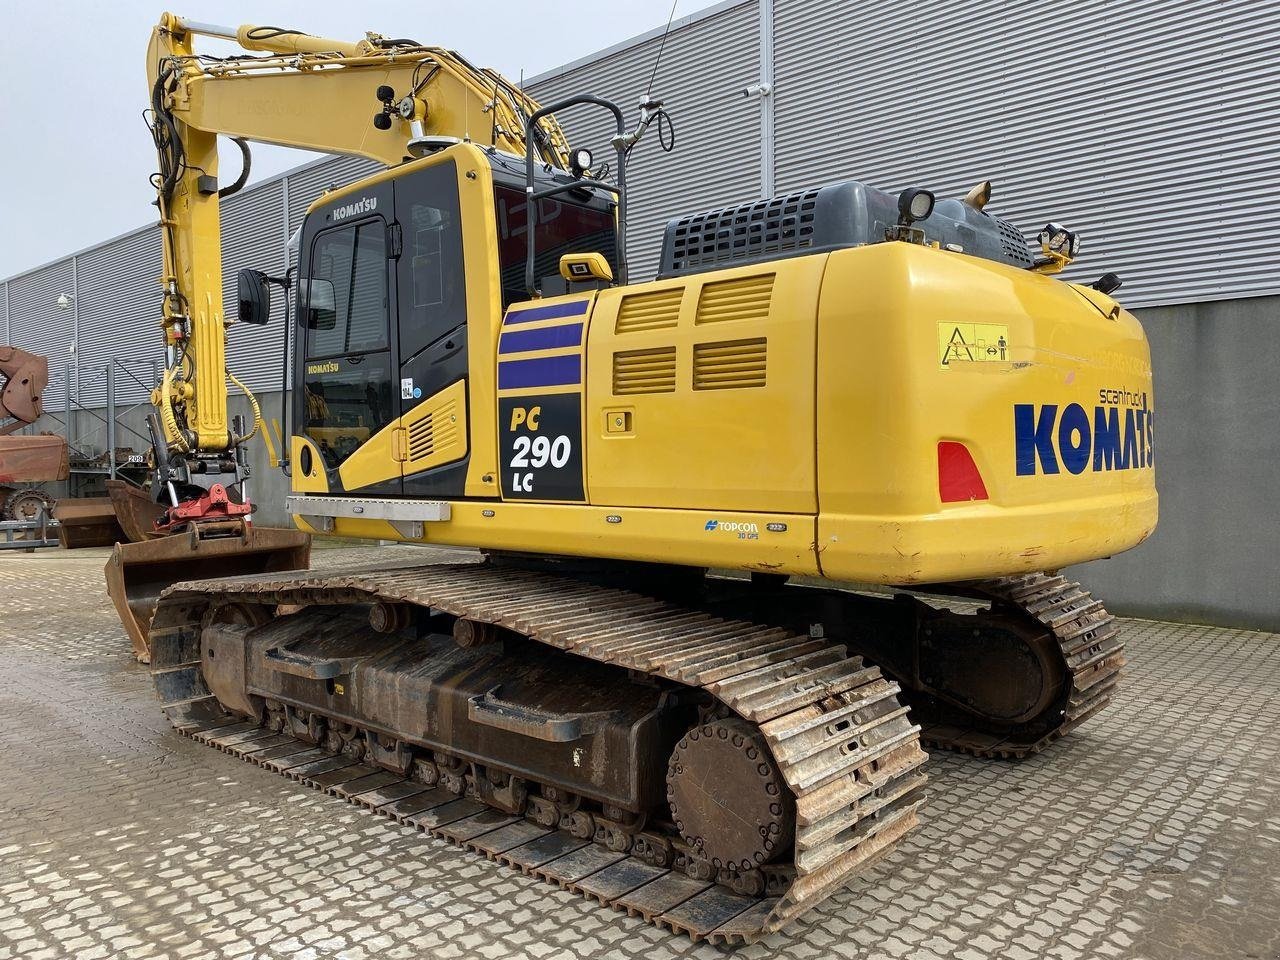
728, 800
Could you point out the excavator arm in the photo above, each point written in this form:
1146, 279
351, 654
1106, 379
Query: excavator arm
387, 100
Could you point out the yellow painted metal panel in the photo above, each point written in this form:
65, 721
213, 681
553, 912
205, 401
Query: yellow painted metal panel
884, 402
484, 314
740, 437
374, 461
735, 540
435, 430
430, 435
313, 481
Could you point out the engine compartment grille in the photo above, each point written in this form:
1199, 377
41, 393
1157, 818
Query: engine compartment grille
659, 310
772, 226
729, 364
644, 371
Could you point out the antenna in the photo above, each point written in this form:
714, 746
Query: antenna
661, 46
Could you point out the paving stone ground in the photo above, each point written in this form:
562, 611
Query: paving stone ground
1153, 832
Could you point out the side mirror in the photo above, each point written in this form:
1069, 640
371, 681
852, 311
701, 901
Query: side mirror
254, 296
318, 304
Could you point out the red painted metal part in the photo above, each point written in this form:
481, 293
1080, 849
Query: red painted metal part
215, 504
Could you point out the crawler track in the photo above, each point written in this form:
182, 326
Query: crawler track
1091, 646
838, 734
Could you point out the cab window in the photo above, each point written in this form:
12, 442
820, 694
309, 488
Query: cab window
346, 295
347, 394
563, 227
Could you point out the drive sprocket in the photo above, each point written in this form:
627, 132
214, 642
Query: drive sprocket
728, 799
26, 504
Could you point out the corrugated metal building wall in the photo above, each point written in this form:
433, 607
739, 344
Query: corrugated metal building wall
1154, 134
718, 129
1150, 128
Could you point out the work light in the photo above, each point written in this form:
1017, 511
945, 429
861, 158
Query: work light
581, 160
914, 204
1058, 239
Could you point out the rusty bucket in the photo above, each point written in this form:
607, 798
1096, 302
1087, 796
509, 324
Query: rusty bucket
138, 573
87, 522
135, 511
33, 459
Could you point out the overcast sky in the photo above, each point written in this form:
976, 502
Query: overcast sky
75, 156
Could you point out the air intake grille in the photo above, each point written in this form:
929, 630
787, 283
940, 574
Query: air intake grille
776, 225
1013, 242
659, 310
437, 429
644, 371
729, 364
745, 299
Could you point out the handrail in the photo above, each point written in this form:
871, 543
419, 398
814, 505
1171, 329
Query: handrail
532, 196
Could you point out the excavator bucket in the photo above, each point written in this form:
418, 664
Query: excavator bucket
138, 573
87, 522
135, 511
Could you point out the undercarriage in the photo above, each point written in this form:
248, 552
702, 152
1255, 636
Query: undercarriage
715, 755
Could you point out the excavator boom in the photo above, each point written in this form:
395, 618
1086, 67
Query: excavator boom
381, 99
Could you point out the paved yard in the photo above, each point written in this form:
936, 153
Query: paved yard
1152, 832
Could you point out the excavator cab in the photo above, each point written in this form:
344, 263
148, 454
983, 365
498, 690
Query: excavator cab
404, 279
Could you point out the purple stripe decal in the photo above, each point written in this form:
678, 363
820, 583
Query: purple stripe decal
540, 372
546, 338
552, 311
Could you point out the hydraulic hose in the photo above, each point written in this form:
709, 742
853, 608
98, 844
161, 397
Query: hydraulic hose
253, 405
167, 416
170, 419
246, 163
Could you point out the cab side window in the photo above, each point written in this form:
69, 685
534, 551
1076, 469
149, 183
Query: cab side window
433, 295
347, 296
347, 378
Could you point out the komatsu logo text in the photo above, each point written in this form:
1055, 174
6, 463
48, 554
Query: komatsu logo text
1119, 435
355, 208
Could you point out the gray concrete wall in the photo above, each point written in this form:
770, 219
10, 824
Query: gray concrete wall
1215, 556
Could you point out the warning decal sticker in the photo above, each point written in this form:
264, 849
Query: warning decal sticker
972, 343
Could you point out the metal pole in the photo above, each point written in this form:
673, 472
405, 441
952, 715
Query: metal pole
111, 418
66, 399
767, 188
6, 311
284, 429
75, 319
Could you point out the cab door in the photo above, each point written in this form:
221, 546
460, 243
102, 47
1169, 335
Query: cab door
349, 364
432, 331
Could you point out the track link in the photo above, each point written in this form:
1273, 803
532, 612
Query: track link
1091, 646
841, 739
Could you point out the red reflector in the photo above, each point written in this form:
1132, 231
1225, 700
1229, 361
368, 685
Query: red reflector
958, 476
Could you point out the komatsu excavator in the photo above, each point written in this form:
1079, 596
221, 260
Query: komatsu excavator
657, 684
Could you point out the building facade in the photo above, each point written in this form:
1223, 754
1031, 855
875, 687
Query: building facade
1151, 130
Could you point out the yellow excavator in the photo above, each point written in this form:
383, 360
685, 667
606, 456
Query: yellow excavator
673, 680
